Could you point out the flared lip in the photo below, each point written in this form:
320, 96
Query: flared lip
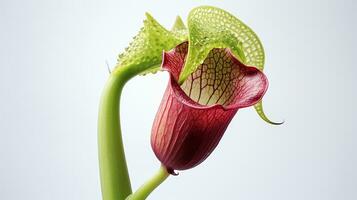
181, 96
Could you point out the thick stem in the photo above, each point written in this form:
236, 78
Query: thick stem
115, 181
144, 191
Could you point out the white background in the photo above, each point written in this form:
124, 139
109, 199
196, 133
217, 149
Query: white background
52, 71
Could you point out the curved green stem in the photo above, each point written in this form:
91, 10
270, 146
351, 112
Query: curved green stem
115, 181
144, 191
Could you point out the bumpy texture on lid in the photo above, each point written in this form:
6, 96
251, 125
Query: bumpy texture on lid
208, 28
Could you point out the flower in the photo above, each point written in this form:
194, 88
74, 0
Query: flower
193, 117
